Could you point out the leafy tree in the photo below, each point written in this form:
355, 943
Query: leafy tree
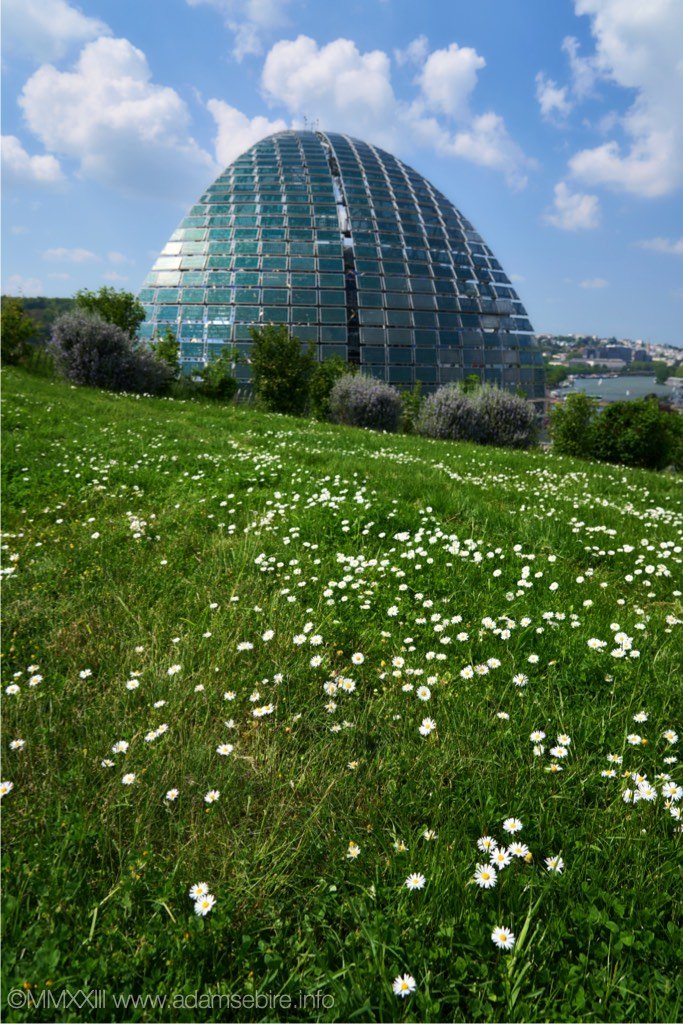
281, 370
324, 377
631, 433
571, 425
555, 374
115, 306
636, 433
17, 330
44, 311
167, 350
662, 371
217, 379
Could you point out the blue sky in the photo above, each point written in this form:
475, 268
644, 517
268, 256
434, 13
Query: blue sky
556, 126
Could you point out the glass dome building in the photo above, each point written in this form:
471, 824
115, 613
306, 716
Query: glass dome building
357, 253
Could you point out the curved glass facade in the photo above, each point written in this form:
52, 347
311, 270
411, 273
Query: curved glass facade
355, 252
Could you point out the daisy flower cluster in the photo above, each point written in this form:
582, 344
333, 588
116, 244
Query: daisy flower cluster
204, 901
557, 753
662, 790
496, 857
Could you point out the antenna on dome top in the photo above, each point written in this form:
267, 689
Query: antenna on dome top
311, 124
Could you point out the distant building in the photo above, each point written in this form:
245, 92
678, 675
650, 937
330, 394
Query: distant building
610, 352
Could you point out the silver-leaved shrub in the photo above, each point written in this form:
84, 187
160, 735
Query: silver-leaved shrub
360, 401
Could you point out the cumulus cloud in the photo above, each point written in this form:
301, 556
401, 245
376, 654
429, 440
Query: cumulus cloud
448, 79
552, 98
18, 168
46, 29
573, 211
236, 132
674, 247
638, 47
249, 21
583, 69
594, 282
415, 52
70, 255
122, 128
347, 90
488, 143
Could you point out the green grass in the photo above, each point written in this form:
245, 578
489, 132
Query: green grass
257, 523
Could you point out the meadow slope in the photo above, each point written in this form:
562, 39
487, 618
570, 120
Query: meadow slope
301, 664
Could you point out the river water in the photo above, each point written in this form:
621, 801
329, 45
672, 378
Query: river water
614, 389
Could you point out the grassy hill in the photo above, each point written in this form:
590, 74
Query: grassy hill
350, 638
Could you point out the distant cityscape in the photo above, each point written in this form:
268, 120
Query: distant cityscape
579, 350
611, 369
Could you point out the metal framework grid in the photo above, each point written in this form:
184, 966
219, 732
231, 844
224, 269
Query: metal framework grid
357, 253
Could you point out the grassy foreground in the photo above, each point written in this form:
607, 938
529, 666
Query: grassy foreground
370, 628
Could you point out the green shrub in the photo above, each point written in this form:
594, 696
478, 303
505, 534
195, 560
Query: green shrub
572, 424
217, 379
167, 350
281, 370
17, 330
324, 377
635, 433
412, 403
631, 433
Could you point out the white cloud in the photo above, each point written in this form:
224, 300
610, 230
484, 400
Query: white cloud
59, 276
552, 98
448, 79
236, 132
573, 211
118, 258
249, 21
673, 247
114, 277
16, 284
70, 255
638, 47
123, 129
346, 90
19, 168
415, 52
583, 69
487, 142
46, 29
594, 282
